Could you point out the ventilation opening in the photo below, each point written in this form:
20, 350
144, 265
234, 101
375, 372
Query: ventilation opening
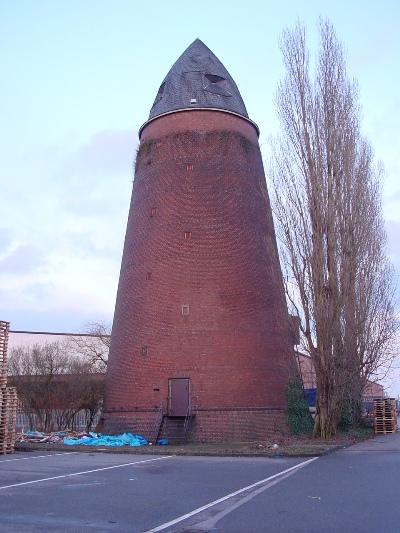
148, 275
216, 84
189, 168
214, 78
185, 310
153, 212
144, 350
187, 235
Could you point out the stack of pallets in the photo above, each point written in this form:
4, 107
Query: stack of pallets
8, 413
4, 329
8, 397
385, 416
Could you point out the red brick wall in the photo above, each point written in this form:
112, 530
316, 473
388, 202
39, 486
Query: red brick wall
199, 172
139, 423
243, 425
373, 390
210, 425
307, 370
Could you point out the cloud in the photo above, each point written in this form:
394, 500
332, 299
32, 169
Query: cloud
68, 222
73, 288
22, 260
95, 179
5, 239
393, 198
109, 151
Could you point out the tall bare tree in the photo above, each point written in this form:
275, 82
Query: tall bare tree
326, 199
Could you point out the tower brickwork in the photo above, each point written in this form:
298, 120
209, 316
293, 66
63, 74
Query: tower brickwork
200, 328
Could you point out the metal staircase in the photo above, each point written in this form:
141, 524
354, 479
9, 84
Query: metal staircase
158, 426
174, 428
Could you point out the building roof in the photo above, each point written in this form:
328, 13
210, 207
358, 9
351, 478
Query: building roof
198, 80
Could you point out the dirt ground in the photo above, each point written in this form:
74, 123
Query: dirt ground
291, 446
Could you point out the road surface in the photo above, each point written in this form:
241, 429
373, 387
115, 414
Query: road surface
352, 490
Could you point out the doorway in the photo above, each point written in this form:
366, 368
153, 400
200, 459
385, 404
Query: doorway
179, 396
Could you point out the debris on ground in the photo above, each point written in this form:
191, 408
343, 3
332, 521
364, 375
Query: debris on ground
86, 438
94, 439
55, 437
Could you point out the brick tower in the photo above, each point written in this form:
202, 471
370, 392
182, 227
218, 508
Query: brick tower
200, 339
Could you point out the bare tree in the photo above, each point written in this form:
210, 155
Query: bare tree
93, 345
326, 199
55, 385
36, 368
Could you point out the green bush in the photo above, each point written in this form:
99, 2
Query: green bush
350, 415
299, 418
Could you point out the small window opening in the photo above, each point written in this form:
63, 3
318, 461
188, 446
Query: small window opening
144, 350
153, 212
189, 168
185, 310
193, 100
187, 235
148, 275
156, 389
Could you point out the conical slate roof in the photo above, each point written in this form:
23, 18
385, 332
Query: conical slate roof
198, 79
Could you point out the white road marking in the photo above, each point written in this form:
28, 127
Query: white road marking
209, 523
81, 473
79, 485
37, 456
227, 497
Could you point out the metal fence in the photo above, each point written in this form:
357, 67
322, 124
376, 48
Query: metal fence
55, 420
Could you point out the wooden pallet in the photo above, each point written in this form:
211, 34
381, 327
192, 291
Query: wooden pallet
8, 396
385, 416
4, 331
8, 416
386, 425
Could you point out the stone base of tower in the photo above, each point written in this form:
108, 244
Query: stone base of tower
139, 422
244, 424
206, 425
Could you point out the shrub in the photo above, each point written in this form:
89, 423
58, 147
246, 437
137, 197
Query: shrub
299, 418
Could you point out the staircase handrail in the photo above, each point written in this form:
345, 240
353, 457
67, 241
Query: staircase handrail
159, 422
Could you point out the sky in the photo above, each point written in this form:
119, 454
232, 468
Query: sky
78, 80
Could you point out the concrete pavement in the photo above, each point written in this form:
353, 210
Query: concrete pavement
380, 444
355, 490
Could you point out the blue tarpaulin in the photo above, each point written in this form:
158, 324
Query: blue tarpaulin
311, 397
126, 439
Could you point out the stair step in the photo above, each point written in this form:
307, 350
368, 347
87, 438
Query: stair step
173, 429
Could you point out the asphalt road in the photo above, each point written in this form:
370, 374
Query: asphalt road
354, 490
